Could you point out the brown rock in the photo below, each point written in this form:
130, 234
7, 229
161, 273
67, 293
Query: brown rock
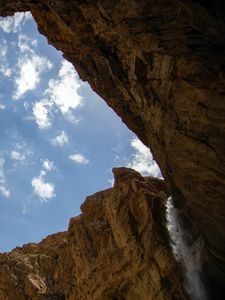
160, 65
116, 249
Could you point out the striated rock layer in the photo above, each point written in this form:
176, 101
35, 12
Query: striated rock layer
116, 249
160, 65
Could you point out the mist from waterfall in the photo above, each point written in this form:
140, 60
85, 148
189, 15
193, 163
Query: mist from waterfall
186, 251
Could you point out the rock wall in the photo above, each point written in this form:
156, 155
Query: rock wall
160, 65
116, 249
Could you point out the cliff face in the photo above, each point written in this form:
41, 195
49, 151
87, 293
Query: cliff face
160, 65
116, 249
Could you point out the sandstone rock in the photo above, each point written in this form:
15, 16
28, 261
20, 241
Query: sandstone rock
160, 65
116, 249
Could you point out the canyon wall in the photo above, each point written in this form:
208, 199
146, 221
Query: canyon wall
116, 249
160, 65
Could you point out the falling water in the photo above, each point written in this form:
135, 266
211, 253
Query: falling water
186, 252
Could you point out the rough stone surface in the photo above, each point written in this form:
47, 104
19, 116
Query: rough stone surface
116, 249
160, 65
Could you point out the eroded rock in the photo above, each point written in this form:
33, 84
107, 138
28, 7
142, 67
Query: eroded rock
160, 65
116, 249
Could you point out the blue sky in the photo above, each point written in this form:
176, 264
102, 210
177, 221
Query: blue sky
59, 140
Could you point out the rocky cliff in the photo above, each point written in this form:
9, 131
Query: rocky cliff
160, 65
116, 249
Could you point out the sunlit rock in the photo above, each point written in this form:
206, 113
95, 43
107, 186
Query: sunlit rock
116, 249
160, 65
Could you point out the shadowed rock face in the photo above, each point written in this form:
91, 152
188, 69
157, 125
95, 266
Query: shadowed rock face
116, 249
160, 65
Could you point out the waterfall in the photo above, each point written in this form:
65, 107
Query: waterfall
186, 251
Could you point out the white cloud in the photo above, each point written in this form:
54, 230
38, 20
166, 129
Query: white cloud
26, 44
44, 190
61, 96
41, 114
4, 190
14, 23
142, 160
3, 59
60, 139
3, 50
79, 158
7, 72
17, 156
48, 165
2, 106
30, 69
29, 66
63, 92
21, 151
69, 116
26, 105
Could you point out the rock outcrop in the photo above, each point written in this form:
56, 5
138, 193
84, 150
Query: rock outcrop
116, 249
160, 65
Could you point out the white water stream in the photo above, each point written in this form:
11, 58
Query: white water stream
186, 251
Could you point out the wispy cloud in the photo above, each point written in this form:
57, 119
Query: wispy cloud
7, 72
79, 158
20, 152
4, 190
42, 189
13, 24
142, 160
60, 139
48, 165
26, 44
3, 50
30, 69
4, 69
2, 106
17, 155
